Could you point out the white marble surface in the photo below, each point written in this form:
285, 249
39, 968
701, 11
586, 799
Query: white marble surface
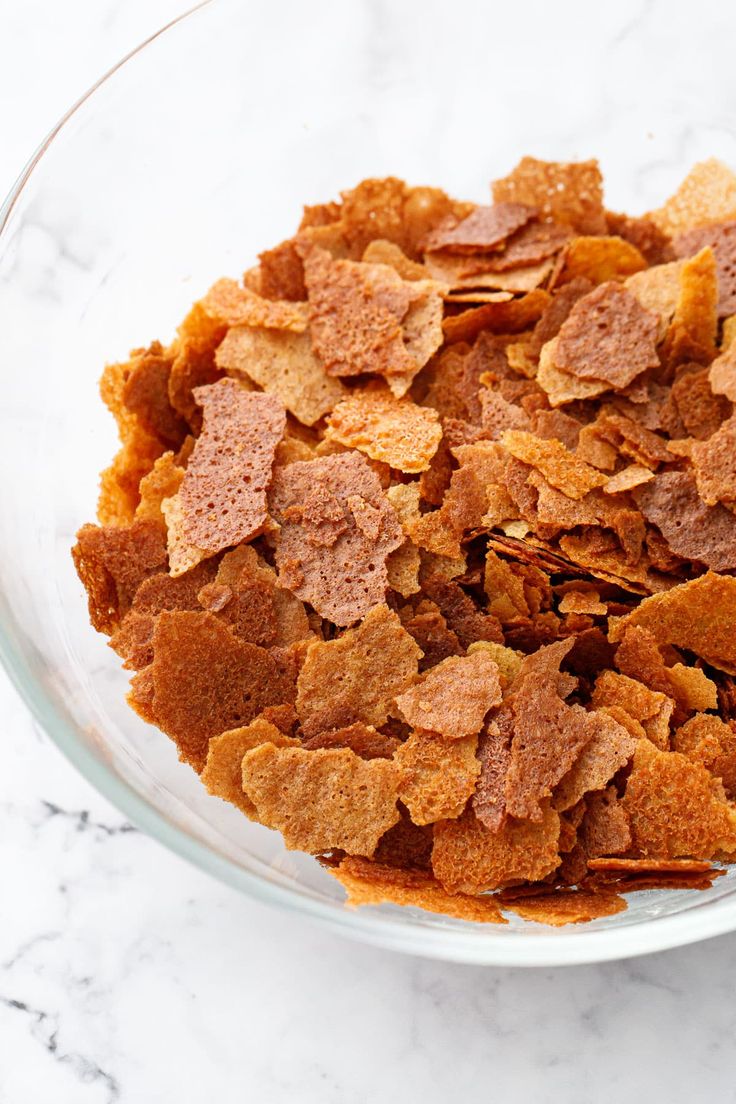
127, 976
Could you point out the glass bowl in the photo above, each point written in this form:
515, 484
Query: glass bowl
184, 162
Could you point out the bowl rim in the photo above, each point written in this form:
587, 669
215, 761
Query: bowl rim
478, 945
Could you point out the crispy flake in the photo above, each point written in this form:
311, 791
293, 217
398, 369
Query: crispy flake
494, 754
562, 387
722, 373
548, 734
183, 556
233, 305
207, 681
710, 741
599, 259
468, 858
570, 193
223, 771
535, 244
357, 676
505, 589
658, 289
651, 709
246, 594
691, 529
322, 800
365, 740
223, 493
714, 464
513, 316
627, 479
395, 431
692, 332
706, 195
163, 481
560, 467
402, 569
608, 336
119, 494
485, 228
568, 906
194, 363
699, 615
652, 242
337, 528
605, 829
722, 240
386, 252
582, 601
692, 687
452, 699
283, 364
438, 776
145, 395
356, 316
677, 808
651, 866
610, 748
281, 273
700, 410
372, 883
112, 563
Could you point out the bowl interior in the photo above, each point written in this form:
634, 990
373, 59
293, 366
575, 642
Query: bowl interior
188, 160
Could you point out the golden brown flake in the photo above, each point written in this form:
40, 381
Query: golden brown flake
605, 829
722, 373
568, 906
357, 312
560, 467
395, 431
372, 883
453, 698
609, 748
699, 615
232, 305
706, 195
207, 681
677, 808
710, 741
483, 229
548, 734
283, 364
599, 259
223, 771
570, 193
714, 465
357, 676
322, 800
469, 858
692, 332
112, 562
691, 529
365, 740
163, 481
438, 775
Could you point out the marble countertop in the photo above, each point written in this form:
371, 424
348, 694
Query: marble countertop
127, 976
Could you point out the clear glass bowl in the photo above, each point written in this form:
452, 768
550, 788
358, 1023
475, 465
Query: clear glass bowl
190, 157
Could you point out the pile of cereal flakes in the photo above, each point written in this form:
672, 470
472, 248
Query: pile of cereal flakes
421, 542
